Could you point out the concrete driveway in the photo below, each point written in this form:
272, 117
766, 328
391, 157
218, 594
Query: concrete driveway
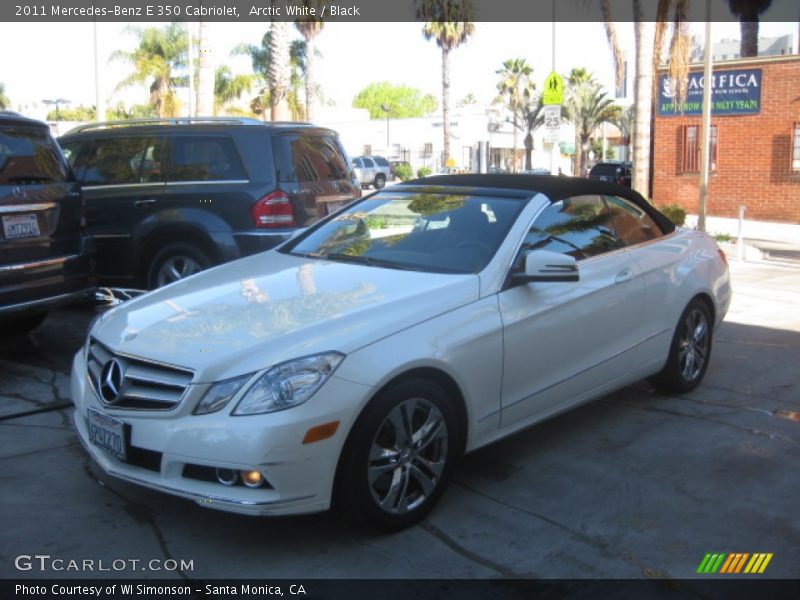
636, 485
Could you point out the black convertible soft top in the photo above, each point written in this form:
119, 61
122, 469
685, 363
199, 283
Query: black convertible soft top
555, 187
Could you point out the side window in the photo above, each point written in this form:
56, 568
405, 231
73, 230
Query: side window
118, 161
71, 151
381, 162
357, 162
204, 158
580, 226
302, 157
633, 225
368, 163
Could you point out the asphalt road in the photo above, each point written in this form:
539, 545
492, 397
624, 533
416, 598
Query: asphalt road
635, 485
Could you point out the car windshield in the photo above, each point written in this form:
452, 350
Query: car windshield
29, 157
434, 232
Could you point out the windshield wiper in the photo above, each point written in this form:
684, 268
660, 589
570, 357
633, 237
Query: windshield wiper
370, 261
21, 178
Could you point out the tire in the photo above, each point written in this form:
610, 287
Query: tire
22, 325
380, 182
174, 262
689, 352
387, 478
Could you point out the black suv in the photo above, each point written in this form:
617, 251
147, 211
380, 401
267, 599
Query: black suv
167, 198
46, 256
612, 170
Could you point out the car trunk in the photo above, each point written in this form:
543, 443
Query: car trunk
40, 205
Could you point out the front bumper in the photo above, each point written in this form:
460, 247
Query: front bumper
299, 476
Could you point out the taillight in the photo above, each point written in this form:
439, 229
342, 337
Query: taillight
273, 210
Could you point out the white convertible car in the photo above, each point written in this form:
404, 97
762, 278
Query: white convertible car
356, 362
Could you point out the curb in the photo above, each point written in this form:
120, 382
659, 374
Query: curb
755, 255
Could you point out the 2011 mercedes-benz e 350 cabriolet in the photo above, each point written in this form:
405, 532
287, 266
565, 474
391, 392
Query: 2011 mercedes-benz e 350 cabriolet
355, 362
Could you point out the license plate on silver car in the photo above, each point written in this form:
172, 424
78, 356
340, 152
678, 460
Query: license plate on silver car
107, 433
20, 226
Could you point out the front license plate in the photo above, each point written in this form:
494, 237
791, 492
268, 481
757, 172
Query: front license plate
20, 226
107, 433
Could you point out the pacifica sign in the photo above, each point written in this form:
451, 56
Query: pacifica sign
732, 93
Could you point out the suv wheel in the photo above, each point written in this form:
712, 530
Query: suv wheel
174, 262
380, 182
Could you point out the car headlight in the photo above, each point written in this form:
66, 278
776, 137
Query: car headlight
218, 395
288, 384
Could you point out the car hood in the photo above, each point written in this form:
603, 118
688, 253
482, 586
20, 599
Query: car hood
271, 307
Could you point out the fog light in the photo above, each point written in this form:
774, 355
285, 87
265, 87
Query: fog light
252, 479
227, 476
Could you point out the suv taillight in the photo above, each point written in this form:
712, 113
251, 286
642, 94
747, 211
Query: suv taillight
273, 210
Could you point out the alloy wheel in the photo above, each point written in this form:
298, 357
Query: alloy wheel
175, 268
408, 456
694, 345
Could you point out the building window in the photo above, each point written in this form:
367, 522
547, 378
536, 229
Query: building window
692, 147
427, 150
796, 148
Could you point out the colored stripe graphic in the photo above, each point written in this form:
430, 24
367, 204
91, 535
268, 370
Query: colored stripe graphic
711, 563
735, 562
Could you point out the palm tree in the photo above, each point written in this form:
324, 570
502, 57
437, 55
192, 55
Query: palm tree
624, 123
449, 25
206, 75
516, 88
4, 101
261, 58
587, 106
309, 30
647, 60
229, 87
279, 71
748, 12
533, 118
159, 53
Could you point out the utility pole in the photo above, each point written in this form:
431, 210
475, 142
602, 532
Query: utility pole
191, 69
705, 149
552, 70
99, 98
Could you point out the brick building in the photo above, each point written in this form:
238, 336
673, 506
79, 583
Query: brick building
755, 139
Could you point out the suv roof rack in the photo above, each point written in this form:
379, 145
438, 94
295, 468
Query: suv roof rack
166, 121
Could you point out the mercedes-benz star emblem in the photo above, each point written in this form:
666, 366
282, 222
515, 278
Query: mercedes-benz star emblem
111, 381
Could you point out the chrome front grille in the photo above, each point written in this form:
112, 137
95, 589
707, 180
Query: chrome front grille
122, 381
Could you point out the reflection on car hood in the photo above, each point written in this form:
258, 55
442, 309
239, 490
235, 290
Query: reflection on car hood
271, 307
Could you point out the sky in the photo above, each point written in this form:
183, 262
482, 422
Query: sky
353, 55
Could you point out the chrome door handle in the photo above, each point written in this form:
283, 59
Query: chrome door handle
145, 202
624, 275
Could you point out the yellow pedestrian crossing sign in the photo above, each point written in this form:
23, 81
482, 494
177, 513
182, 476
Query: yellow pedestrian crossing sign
553, 89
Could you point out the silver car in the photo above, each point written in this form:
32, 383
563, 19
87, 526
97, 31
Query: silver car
372, 171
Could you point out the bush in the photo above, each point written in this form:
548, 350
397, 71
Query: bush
424, 172
404, 172
675, 213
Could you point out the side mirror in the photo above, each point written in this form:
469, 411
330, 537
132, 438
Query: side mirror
544, 265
